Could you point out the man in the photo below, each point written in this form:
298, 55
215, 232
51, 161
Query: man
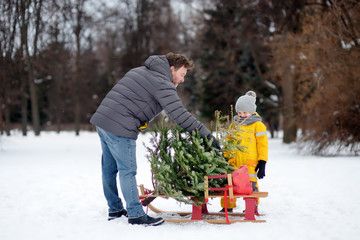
134, 101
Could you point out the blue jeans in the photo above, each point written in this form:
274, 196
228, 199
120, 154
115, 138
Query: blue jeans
119, 156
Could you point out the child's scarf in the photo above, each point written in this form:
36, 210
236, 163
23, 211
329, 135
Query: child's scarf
247, 121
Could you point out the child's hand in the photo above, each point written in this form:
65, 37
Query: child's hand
261, 167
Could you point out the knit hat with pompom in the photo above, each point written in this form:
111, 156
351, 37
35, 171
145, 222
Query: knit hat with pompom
246, 103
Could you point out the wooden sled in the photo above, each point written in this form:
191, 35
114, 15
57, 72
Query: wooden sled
198, 211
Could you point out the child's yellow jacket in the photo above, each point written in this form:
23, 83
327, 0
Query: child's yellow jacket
254, 139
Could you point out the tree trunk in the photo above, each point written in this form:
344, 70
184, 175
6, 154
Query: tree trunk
5, 111
8, 66
32, 87
2, 122
24, 106
34, 100
23, 37
76, 86
289, 125
7, 121
78, 26
7, 116
26, 15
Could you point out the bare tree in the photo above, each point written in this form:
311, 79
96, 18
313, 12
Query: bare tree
149, 28
54, 59
31, 14
78, 27
75, 10
9, 18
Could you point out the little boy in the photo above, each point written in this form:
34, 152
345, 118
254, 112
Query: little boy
253, 137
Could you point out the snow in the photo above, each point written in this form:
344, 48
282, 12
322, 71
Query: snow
50, 188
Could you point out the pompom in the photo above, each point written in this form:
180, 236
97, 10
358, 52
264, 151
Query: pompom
251, 93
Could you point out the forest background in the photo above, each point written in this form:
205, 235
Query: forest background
302, 57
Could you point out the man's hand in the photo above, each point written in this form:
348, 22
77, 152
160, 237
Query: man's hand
215, 142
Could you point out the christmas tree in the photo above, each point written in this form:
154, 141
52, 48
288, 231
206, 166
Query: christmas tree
180, 160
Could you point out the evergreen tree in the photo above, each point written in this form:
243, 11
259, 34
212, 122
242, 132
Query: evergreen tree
180, 160
233, 56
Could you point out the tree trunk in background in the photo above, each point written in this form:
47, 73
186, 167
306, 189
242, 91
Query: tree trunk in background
77, 77
32, 87
7, 121
24, 106
26, 9
289, 125
5, 101
34, 100
76, 97
9, 20
2, 121
24, 95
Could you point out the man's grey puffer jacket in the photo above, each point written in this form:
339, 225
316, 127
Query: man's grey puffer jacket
141, 95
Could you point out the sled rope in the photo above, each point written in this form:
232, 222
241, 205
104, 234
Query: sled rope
225, 201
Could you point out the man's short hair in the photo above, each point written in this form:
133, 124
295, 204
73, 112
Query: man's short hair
178, 61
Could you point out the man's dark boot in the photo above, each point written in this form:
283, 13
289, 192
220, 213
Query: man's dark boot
146, 221
115, 215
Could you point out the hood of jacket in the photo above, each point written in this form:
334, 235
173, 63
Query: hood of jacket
159, 64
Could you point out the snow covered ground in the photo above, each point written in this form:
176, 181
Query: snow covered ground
50, 188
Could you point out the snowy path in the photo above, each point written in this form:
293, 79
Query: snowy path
50, 188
